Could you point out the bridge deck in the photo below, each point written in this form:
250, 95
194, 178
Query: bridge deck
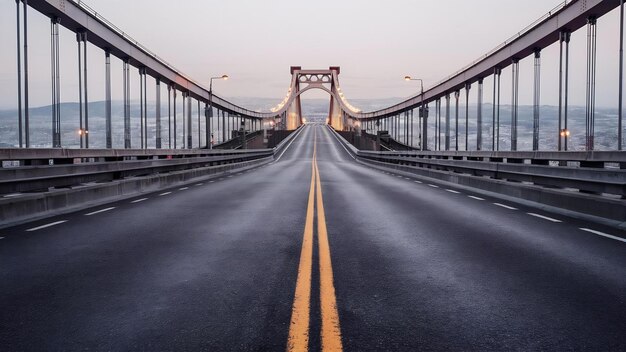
213, 266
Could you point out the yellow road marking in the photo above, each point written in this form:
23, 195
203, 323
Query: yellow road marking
331, 332
299, 327
300, 313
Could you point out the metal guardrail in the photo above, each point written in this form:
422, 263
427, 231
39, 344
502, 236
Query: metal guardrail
36, 170
591, 172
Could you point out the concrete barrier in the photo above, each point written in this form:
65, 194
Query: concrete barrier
30, 207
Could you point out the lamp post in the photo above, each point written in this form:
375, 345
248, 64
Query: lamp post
209, 113
565, 135
423, 112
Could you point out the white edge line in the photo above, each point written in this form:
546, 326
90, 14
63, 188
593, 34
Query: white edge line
416, 181
139, 200
544, 217
99, 211
165, 193
287, 147
603, 234
46, 225
433, 186
505, 206
183, 188
341, 144
477, 198
453, 191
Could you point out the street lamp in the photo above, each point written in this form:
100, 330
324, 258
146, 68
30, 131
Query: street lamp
564, 133
209, 113
423, 112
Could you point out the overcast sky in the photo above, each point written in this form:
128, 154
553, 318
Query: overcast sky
376, 43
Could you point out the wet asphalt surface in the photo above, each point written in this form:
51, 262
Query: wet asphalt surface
212, 266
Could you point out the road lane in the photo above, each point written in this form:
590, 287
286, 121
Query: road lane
215, 267
207, 268
418, 267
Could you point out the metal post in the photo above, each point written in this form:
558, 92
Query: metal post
559, 138
439, 124
85, 91
175, 134
514, 102
158, 114
493, 115
81, 130
567, 38
468, 86
189, 124
621, 75
107, 103
456, 127
208, 128
126, 74
424, 124
169, 117
141, 112
26, 95
223, 126
19, 77
199, 139
536, 99
498, 73
447, 137
591, 82
145, 109
56, 84
479, 117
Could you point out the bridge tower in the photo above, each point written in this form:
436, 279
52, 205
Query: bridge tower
303, 80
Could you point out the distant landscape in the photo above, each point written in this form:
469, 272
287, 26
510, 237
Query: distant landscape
313, 109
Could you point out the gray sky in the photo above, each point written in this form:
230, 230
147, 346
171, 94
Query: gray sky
376, 43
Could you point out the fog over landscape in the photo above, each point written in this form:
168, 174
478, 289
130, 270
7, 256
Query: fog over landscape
316, 109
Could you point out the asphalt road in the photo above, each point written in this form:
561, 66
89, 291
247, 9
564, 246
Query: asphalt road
214, 266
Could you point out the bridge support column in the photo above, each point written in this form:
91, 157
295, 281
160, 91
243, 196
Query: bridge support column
591, 83
175, 132
56, 83
83, 132
514, 102
19, 77
107, 99
169, 116
184, 121
126, 93
223, 126
142, 106
536, 99
425, 127
199, 129
24, 129
495, 117
208, 131
158, 114
436, 134
468, 86
620, 76
189, 124
438, 124
564, 37
479, 117
447, 133
457, 94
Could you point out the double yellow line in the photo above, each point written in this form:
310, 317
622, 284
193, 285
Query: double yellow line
300, 313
